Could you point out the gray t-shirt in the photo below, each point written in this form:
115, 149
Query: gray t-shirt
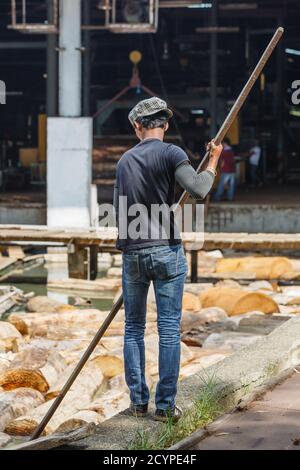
145, 192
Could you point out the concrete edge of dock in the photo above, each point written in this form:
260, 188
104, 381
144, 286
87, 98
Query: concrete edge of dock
236, 377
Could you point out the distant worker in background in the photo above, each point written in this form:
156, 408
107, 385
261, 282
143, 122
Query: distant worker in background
254, 160
227, 167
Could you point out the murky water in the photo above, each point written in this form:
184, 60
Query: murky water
34, 279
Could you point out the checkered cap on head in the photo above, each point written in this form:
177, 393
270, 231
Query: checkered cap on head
149, 107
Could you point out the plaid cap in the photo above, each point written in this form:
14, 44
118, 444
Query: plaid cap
148, 107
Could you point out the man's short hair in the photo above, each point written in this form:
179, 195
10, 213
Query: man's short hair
154, 121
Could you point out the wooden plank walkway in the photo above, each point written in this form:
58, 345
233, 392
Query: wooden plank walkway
107, 237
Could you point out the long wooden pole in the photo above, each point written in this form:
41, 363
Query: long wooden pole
116, 307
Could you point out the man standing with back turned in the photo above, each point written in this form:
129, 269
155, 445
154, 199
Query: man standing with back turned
146, 175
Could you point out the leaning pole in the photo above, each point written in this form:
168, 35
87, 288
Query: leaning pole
116, 307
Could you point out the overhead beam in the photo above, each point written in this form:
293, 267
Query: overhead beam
23, 45
218, 29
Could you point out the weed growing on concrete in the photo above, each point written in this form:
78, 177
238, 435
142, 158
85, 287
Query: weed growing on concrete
271, 369
141, 441
205, 408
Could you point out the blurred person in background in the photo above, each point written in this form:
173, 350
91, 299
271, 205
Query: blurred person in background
254, 161
227, 167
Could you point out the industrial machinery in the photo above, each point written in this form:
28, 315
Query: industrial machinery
19, 13
131, 16
120, 16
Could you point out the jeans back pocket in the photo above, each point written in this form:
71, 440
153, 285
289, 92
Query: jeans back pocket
165, 264
131, 267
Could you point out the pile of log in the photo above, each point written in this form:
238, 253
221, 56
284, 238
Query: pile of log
40, 346
263, 267
10, 298
10, 337
238, 301
48, 344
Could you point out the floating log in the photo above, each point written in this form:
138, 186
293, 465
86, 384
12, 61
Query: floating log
17, 402
39, 323
42, 303
7, 330
102, 286
36, 368
190, 302
9, 344
55, 440
110, 364
74, 324
18, 322
4, 439
10, 337
262, 266
4, 363
111, 403
238, 301
261, 285
6, 303
114, 272
205, 316
78, 420
86, 376
79, 397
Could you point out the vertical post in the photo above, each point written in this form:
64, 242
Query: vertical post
24, 11
281, 163
194, 266
51, 99
114, 12
151, 17
13, 12
70, 58
86, 59
213, 69
70, 136
83, 262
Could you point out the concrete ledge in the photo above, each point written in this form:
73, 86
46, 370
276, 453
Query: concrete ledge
236, 377
253, 218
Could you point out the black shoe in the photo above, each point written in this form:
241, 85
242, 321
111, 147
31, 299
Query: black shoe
138, 411
166, 415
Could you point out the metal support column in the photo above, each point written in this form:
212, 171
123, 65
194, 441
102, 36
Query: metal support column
70, 58
213, 69
51, 100
70, 136
86, 58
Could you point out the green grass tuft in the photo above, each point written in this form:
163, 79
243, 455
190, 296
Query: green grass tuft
205, 408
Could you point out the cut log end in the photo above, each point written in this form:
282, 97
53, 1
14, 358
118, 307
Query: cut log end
17, 378
23, 427
19, 324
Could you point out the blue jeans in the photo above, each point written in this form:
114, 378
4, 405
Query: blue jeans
166, 266
229, 180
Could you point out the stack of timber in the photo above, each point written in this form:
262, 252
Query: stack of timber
40, 345
105, 158
11, 297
